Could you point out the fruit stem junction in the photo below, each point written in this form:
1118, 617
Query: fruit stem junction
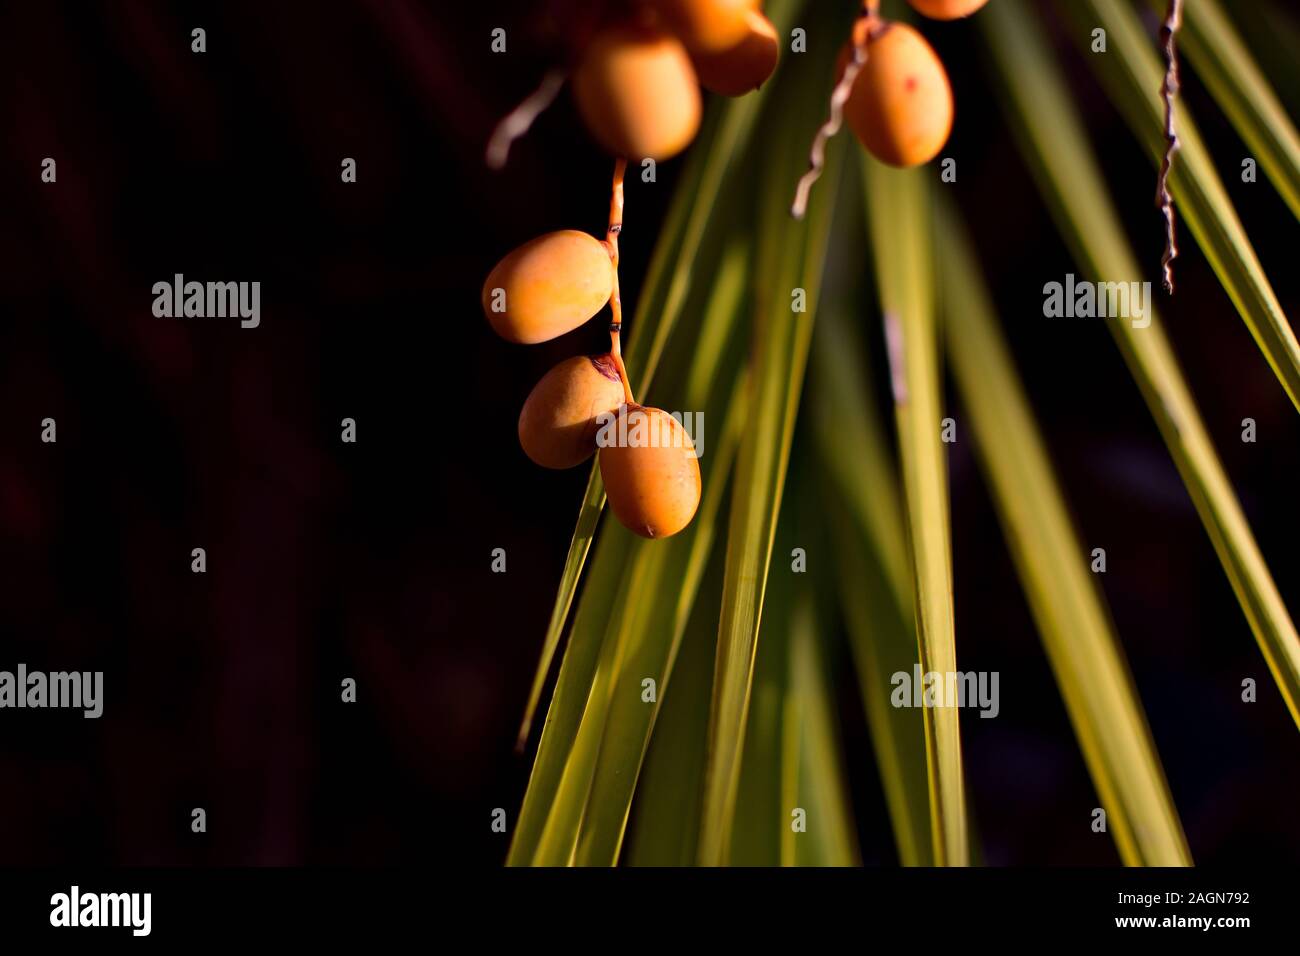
615, 302
863, 27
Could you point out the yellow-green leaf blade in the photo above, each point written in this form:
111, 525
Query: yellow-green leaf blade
593, 500
1070, 180
819, 787
782, 338
899, 214
572, 687
1198, 193
873, 571
654, 635
1067, 605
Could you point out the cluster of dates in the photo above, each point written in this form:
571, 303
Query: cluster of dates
637, 82
550, 286
637, 85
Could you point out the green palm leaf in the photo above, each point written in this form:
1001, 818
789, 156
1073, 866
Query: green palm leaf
872, 572
654, 627
790, 256
1133, 73
1051, 133
1066, 603
817, 779
899, 217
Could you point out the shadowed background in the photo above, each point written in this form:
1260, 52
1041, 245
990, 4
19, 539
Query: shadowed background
372, 560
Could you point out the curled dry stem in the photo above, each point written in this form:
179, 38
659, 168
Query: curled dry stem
863, 27
1169, 90
519, 120
615, 301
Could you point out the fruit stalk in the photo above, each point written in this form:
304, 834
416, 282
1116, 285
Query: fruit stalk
1169, 90
520, 119
862, 28
615, 302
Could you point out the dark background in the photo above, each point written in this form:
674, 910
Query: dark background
372, 560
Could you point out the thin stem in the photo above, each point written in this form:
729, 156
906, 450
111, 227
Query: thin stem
862, 30
518, 121
615, 302
1169, 90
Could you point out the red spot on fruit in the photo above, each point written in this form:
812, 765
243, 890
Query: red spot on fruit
909, 84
